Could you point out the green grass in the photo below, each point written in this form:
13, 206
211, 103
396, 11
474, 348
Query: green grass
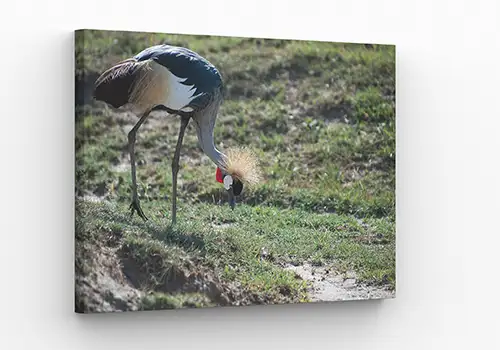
229, 243
320, 115
162, 301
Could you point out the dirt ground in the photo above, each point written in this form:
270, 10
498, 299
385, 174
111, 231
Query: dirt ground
327, 285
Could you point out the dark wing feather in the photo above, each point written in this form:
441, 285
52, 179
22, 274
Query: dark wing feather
115, 85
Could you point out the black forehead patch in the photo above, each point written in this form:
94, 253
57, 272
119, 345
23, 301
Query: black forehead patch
237, 187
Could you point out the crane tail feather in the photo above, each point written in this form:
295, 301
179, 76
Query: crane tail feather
130, 82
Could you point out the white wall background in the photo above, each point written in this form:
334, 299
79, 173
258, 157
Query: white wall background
447, 186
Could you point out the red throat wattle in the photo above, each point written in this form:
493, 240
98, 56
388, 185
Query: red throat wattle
218, 175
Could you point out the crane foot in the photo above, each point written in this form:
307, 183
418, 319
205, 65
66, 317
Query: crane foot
135, 206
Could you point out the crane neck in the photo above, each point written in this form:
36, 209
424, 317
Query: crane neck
205, 127
207, 144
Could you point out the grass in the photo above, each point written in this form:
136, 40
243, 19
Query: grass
322, 118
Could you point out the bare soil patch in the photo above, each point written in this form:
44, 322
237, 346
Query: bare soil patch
327, 285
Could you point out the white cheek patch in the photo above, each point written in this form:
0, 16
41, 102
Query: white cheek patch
228, 182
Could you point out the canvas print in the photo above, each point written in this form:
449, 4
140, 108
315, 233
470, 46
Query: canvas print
216, 171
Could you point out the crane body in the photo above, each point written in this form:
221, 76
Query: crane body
176, 80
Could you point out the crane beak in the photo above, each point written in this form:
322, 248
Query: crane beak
232, 198
228, 185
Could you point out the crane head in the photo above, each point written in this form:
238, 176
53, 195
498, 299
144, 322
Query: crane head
233, 185
240, 166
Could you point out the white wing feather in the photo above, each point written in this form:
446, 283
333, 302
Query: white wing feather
178, 95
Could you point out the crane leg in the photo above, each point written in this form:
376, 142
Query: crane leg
135, 206
175, 166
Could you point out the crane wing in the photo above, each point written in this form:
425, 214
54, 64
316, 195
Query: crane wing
160, 75
113, 86
132, 81
192, 78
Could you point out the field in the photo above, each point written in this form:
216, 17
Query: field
320, 227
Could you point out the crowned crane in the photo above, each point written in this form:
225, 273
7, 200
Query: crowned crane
181, 82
